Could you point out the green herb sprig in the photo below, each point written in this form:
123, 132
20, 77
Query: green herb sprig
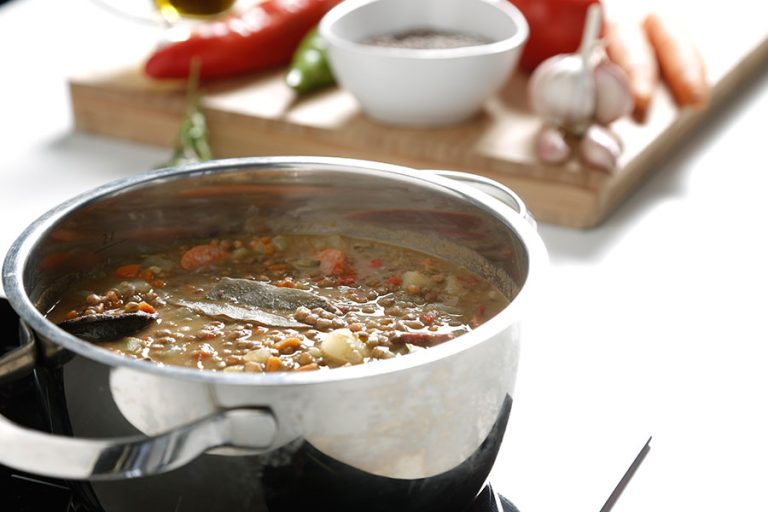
192, 139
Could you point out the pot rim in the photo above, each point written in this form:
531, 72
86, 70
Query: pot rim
20, 249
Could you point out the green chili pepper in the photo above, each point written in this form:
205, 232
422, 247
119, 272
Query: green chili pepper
192, 139
309, 69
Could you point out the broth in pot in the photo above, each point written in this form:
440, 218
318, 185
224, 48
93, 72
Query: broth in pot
276, 303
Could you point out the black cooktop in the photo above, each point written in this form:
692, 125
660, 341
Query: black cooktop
22, 492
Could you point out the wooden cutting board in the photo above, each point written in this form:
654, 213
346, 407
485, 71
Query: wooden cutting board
259, 115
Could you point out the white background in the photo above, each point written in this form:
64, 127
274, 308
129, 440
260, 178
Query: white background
653, 323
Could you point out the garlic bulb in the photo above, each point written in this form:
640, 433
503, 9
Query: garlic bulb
613, 98
551, 146
571, 93
562, 88
600, 148
562, 93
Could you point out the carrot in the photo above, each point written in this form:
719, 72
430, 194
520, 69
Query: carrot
203, 256
288, 343
146, 307
274, 364
203, 353
478, 317
308, 367
428, 262
128, 271
395, 281
629, 48
682, 66
333, 261
346, 280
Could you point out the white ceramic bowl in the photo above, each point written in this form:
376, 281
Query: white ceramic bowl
423, 87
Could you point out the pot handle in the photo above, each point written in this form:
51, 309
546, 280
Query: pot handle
115, 459
492, 188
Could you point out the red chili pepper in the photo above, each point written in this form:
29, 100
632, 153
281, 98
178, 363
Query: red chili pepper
555, 27
261, 37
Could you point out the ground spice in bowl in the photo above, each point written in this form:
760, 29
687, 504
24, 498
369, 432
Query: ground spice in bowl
426, 39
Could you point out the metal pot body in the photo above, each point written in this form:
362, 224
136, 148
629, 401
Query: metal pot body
293, 477
413, 418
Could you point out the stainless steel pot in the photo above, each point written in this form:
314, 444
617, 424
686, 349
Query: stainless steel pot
410, 418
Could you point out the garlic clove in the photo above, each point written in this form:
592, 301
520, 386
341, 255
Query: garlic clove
551, 146
613, 98
600, 148
562, 92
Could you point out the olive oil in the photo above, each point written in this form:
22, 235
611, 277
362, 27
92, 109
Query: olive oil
192, 8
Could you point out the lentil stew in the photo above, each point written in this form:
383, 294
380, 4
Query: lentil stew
277, 303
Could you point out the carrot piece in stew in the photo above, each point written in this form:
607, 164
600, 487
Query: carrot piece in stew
333, 261
147, 308
128, 271
203, 256
274, 364
395, 281
288, 343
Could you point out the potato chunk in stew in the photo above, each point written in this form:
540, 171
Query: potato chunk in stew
279, 303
